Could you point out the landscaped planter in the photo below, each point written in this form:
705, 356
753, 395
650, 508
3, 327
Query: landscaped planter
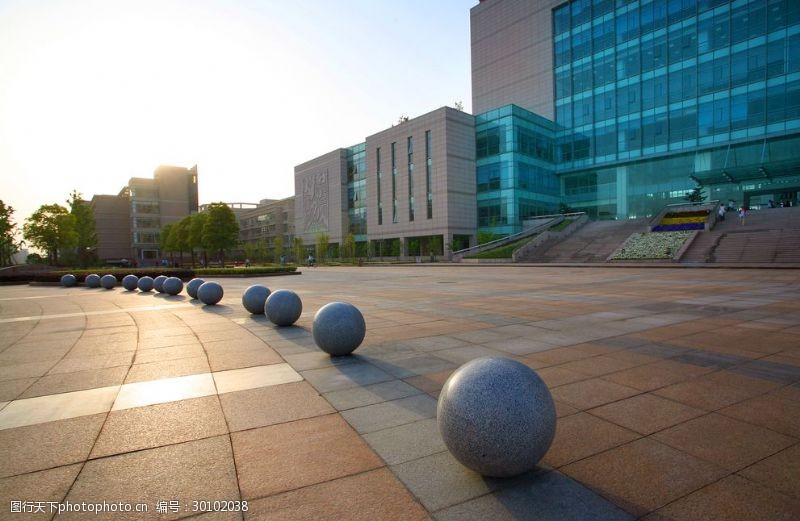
652, 246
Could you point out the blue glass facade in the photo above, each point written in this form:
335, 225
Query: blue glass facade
655, 96
515, 172
357, 191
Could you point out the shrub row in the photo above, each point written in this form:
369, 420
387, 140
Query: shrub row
693, 213
678, 227
183, 274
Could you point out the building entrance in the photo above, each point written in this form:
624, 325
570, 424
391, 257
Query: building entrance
780, 197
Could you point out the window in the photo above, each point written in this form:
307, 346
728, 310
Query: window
628, 100
628, 63
776, 103
755, 108
603, 36
604, 71
627, 26
654, 16
629, 136
563, 84
682, 45
428, 181
487, 142
581, 44
654, 92
583, 111
682, 124
582, 78
654, 130
739, 112
680, 9
581, 12
605, 140
756, 63
604, 106
561, 19
776, 63
394, 183
682, 84
378, 184
654, 53
410, 149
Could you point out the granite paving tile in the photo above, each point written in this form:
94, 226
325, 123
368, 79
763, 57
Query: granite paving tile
371, 394
270, 405
371, 496
390, 414
545, 496
643, 475
288, 456
594, 392
780, 471
773, 411
345, 377
49, 445
407, 442
733, 497
646, 413
162, 424
46, 485
195, 470
167, 369
724, 441
572, 442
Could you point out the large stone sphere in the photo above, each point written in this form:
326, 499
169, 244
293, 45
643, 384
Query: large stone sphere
108, 281
92, 281
173, 285
192, 287
496, 416
146, 284
338, 328
283, 307
68, 280
209, 293
158, 283
130, 282
254, 298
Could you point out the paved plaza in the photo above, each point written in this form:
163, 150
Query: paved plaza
677, 391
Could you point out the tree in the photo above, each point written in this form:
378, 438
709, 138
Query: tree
564, 208
85, 229
459, 105
402, 119
435, 245
183, 229
349, 246
696, 195
221, 231
299, 250
9, 244
277, 249
197, 223
51, 228
166, 240
249, 249
322, 246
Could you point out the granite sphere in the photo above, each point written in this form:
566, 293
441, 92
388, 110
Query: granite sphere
254, 298
192, 286
173, 285
108, 281
209, 293
92, 281
69, 280
283, 307
130, 282
496, 416
338, 328
158, 283
146, 284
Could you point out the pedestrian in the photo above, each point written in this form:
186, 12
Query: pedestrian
742, 215
721, 212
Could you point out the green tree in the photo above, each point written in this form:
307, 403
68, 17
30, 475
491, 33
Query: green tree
299, 250
249, 249
349, 246
9, 244
166, 240
323, 241
261, 250
51, 228
197, 223
221, 231
181, 229
696, 196
85, 229
435, 246
277, 251
564, 208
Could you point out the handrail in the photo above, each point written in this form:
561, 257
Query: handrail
518, 234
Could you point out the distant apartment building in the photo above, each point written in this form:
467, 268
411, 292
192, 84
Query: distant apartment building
112, 214
266, 221
128, 224
404, 191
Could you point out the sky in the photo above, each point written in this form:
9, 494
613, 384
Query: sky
95, 92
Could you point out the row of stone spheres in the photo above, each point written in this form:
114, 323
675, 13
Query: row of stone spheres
495, 415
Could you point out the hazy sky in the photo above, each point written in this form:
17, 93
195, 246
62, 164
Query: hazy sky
95, 92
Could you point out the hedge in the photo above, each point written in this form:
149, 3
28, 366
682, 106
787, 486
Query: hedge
183, 274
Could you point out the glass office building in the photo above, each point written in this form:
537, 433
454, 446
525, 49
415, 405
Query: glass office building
650, 99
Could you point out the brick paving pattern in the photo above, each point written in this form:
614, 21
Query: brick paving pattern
677, 392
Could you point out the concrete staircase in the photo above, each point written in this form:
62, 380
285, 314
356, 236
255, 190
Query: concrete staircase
768, 236
594, 242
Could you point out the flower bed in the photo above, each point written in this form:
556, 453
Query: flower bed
678, 227
647, 246
693, 213
682, 220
